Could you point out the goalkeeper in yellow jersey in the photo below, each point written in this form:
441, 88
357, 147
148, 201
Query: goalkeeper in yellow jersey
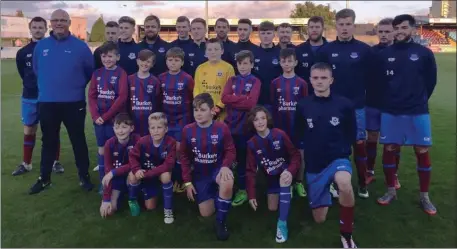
212, 75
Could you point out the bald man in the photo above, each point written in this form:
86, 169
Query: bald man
63, 65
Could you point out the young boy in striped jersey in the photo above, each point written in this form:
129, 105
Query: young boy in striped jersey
208, 146
285, 92
144, 92
239, 96
276, 156
177, 87
107, 97
117, 166
151, 162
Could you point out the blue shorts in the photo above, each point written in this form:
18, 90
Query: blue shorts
150, 187
373, 117
273, 186
319, 184
175, 134
361, 124
103, 133
119, 183
29, 112
207, 188
406, 129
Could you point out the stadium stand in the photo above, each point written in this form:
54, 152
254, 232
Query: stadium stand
434, 37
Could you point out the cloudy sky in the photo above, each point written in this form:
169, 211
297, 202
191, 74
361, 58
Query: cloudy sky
367, 11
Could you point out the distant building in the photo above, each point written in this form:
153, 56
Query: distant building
443, 9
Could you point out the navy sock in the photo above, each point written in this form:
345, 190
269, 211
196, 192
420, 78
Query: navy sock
222, 208
284, 203
177, 173
101, 165
167, 195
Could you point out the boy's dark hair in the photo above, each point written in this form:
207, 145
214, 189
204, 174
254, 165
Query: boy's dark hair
183, 19
287, 52
112, 24
322, 66
221, 19
245, 21
38, 19
266, 26
175, 52
243, 54
253, 113
127, 19
123, 118
405, 17
386, 21
145, 54
109, 46
316, 19
199, 20
152, 18
284, 25
214, 40
345, 13
203, 98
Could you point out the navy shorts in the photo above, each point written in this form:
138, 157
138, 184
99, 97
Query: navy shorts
406, 129
319, 184
373, 117
207, 188
29, 112
150, 187
273, 186
360, 117
103, 133
119, 183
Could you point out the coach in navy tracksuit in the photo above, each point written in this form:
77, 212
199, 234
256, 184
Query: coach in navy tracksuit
222, 29
63, 65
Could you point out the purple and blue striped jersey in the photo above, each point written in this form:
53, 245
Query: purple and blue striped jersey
285, 94
177, 99
207, 149
144, 100
239, 96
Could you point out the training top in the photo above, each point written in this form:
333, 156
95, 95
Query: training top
407, 76
128, 52
206, 149
25, 69
160, 48
63, 68
267, 68
272, 154
327, 128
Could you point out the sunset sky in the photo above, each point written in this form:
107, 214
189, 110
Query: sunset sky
367, 11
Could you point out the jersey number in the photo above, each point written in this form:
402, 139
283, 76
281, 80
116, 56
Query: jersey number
390, 72
305, 64
333, 66
29, 64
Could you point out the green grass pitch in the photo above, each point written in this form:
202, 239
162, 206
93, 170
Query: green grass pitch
66, 216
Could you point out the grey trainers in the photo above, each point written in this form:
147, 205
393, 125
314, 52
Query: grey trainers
57, 167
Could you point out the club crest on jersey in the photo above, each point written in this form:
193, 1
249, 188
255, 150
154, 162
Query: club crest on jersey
414, 57
99, 78
275, 61
305, 55
391, 59
164, 154
161, 50
180, 86
29, 55
219, 74
113, 79
310, 123
259, 152
149, 88
214, 139
248, 87
335, 121
45, 52
296, 89
354, 55
276, 145
132, 56
335, 55
191, 54
130, 147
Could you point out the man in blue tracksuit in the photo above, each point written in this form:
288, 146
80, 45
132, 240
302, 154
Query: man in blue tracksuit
63, 65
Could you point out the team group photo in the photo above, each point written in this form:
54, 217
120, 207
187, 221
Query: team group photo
312, 131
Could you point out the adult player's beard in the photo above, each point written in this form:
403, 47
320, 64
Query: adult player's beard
151, 37
318, 38
407, 39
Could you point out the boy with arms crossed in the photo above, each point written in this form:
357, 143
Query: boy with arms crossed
208, 146
151, 162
